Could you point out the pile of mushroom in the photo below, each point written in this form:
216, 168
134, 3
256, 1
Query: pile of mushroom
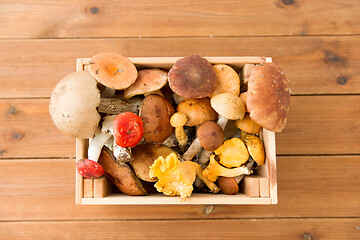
169, 126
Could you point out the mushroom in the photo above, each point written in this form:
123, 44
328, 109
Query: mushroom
121, 174
245, 74
192, 77
148, 81
112, 70
227, 80
155, 113
73, 105
268, 97
178, 121
215, 170
177, 178
210, 135
228, 185
232, 153
228, 106
255, 147
243, 97
248, 125
198, 111
144, 156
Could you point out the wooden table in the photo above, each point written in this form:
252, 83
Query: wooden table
317, 45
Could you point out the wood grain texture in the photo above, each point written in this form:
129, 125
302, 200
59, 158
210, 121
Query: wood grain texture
308, 187
314, 65
186, 229
55, 19
316, 125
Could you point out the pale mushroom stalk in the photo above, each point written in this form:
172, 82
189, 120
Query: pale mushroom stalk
178, 121
248, 166
97, 143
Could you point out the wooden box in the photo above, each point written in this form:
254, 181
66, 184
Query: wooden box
260, 188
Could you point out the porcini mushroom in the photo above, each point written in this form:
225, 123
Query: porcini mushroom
144, 156
210, 135
112, 70
198, 111
147, 82
268, 97
215, 170
192, 77
228, 185
155, 113
227, 80
73, 105
121, 174
178, 121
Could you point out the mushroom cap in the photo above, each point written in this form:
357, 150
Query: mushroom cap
243, 97
155, 113
228, 105
148, 80
121, 174
113, 70
227, 80
73, 104
255, 147
268, 97
192, 77
232, 153
179, 119
210, 135
228, 185
198, 111
144, 156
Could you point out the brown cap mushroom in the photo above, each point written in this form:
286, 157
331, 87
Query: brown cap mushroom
121, 174
268, 97
228, 185
73, 105
210, 135
192, 77
144, 156
227, 80
148, 81
112, 70
155, 113
198, 111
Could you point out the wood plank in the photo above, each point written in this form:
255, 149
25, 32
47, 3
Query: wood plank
54, 19
308, 187
316, 125
186, 229
314, 65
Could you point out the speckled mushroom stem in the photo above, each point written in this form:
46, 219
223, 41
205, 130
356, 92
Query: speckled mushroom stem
116, 106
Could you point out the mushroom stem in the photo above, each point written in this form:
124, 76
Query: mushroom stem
212, 186
248, 166
96, 145
195, 146
116, 106
181, 136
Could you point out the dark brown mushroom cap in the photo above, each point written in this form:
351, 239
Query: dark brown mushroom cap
192, 77
228, 185
268, 97
144, 156
155, 113
210, 135
113, 70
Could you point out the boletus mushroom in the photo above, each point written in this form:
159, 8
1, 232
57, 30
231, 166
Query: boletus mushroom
121, 174
112, 70
147, 82
192, 77
144, 156
155, 113
268, 97
228, 185
210, 135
